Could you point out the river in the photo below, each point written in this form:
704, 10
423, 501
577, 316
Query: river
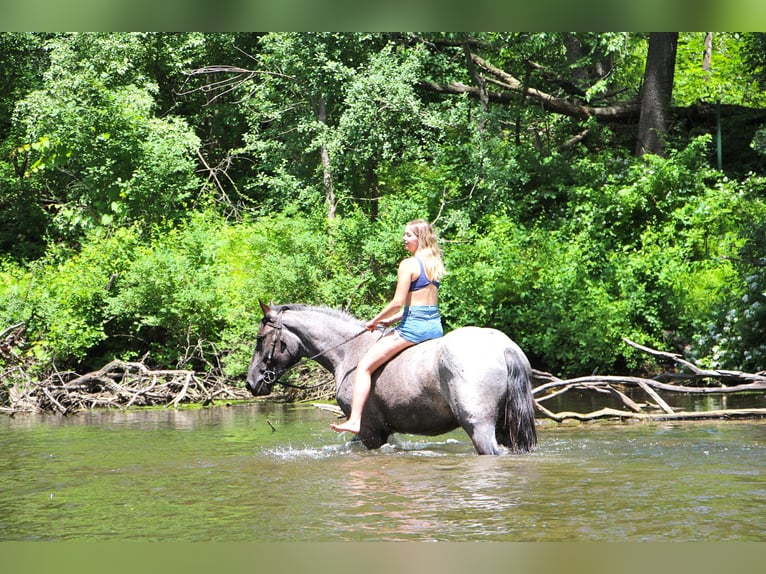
271, 472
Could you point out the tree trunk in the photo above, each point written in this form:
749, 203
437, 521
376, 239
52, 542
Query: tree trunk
656, 93
480, 83
585, 76
329, 190
707, 54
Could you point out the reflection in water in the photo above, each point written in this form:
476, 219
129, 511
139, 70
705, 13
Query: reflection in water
276, 473
380, 503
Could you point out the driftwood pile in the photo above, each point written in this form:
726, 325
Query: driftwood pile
684, 378
119, 384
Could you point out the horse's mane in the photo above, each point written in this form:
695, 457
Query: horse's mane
330, 311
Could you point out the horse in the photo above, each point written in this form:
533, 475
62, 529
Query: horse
472, 377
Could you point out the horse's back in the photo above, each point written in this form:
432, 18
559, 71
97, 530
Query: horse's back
466, 352
480, 348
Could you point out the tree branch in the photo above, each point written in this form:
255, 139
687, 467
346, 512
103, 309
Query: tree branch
549, 386
509, 86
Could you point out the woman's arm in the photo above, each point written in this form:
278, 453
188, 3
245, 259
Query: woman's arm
393, 310
391, 319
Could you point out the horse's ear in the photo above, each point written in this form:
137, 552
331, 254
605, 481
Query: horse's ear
265, 308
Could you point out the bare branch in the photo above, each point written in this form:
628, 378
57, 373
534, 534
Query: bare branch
234, 77
549, 386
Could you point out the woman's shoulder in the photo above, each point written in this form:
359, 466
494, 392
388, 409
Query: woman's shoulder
414, 260
410, 264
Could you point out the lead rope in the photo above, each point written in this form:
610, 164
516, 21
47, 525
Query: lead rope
319, 354
271, 376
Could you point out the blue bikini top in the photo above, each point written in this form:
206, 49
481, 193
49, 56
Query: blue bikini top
422, 281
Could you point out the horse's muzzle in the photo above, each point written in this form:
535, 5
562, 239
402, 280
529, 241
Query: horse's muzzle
259, 384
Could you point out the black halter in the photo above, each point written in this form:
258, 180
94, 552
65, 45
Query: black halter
270, 375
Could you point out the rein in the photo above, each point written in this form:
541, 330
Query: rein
271, 377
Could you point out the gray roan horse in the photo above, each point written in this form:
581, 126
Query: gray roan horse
472, 377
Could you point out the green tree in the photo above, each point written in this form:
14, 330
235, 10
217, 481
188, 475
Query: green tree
293, 98
95, 149
21, 216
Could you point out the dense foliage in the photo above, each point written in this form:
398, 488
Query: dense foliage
153, 187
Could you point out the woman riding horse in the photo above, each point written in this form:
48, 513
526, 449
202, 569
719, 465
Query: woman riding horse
414, 304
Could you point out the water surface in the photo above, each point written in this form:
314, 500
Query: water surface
265, 472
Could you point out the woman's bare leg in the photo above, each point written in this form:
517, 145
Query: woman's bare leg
383, 350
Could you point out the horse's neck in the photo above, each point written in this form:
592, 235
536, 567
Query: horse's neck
327, 338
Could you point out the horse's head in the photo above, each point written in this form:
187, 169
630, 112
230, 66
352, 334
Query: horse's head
276, 350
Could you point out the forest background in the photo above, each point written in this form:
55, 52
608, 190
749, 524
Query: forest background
587, 187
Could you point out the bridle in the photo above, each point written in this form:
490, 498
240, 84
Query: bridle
271, 376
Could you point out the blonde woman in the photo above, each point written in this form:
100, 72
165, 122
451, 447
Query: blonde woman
415, 305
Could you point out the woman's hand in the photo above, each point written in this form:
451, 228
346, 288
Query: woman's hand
388, 321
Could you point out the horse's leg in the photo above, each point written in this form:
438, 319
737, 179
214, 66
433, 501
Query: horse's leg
504, 413
373, 438
478, 414
477, 403
483, 437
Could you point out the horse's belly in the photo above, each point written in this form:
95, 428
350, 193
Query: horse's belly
420, 419
411, 400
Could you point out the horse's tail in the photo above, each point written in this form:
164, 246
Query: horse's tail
519, 405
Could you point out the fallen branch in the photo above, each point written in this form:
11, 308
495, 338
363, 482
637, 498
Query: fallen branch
656, 407
607, 412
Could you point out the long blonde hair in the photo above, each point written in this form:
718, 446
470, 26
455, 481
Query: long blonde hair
428, 249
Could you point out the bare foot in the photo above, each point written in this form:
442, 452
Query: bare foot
348, 426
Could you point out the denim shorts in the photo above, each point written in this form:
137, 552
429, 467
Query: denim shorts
420, 323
